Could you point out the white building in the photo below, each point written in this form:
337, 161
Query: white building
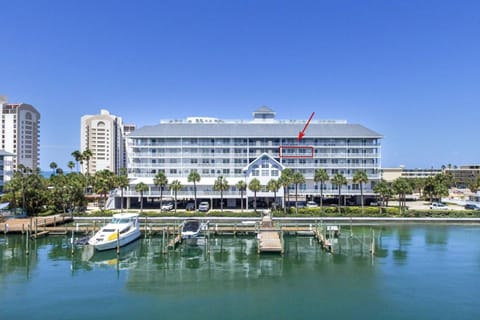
260, 148
6, 168
103, 134
20, 133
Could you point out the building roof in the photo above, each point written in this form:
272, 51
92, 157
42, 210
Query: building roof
286, 129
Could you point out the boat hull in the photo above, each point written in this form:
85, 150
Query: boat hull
123, 241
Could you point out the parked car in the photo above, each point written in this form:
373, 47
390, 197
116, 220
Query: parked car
167, 206
204, 206
190, 206
438, 206
312, 204
472, 206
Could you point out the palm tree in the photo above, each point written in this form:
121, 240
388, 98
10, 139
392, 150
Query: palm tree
160, 180
104, 181
53, 166
194, 177
86, 155
71, 165
273, 186
141, 188
401, 187
286, 181
360, 177
339, 180
122, 182
175, 186
255, 186
321, 176
297, 179
77, 155
383, 189
221, 184
241, 186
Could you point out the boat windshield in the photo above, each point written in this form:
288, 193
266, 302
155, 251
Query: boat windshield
118, 220
191, 226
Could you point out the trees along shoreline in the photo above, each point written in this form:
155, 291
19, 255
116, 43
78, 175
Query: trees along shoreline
65, 192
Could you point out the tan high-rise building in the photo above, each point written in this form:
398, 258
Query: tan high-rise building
103, 135
20, 133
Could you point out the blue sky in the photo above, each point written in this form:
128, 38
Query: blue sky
409, 70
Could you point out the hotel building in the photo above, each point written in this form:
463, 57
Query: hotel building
104, 135
20, 133
242, 150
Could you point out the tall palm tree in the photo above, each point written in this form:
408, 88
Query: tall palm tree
122, 182
286, 181
255, 186
86, 155
53, 166
321, 176
71, 165
297, 179
401, 187
339, 180
194, 177
221, 184
77, 155
360, 177
141, 188
160, 180
273, 186
241, 186
175, 186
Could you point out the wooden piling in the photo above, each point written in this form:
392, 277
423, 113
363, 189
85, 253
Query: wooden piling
118, 242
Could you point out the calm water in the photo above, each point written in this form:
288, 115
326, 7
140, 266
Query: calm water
420, 272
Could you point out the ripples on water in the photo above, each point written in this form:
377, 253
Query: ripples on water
419, 272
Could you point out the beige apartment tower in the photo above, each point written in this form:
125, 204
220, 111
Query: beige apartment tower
20, 133
103, 135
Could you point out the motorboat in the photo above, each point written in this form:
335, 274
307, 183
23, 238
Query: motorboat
191, 229
122, 230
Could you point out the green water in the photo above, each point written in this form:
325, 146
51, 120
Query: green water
419, 272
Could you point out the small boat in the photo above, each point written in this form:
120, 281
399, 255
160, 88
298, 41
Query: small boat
191, 229
122, 230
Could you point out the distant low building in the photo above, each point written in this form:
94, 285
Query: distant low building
390, 174
465, 174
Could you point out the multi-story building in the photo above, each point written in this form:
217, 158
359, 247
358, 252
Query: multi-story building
464, 175
6, 168
103, 134
243, 150
20, 133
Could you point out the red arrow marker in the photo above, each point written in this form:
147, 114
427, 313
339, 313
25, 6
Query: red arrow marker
302, 133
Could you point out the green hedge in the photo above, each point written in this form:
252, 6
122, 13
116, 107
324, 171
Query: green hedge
308, 212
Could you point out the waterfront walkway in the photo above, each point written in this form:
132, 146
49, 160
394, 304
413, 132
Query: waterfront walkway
33, 224
269, 238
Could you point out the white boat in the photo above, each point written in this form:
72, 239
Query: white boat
122, 230
191, 229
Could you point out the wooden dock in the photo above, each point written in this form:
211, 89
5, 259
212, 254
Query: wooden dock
269, 238
34, 224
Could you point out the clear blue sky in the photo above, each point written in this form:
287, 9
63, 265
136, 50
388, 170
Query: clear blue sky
409, 70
